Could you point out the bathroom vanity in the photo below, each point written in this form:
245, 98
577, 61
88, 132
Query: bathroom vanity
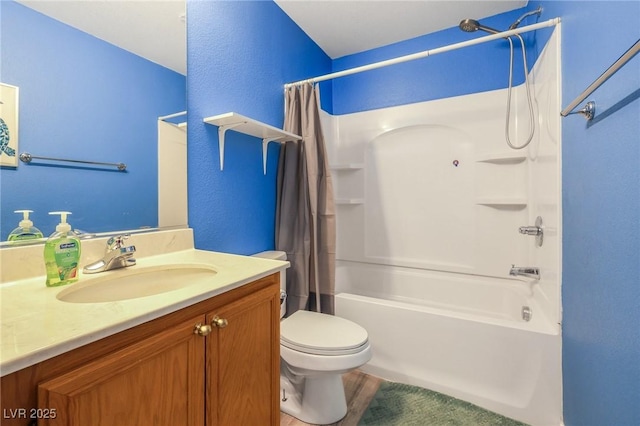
204, 354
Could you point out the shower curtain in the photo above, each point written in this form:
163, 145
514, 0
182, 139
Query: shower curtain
305, 217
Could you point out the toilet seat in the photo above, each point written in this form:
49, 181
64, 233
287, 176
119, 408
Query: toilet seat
322, 334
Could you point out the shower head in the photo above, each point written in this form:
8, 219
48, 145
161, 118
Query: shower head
471, 25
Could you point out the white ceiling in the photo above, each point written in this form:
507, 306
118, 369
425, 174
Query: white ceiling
153, 29
343, 27
156, 30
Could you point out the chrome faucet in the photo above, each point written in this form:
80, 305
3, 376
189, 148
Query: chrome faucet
116, 255
525, 271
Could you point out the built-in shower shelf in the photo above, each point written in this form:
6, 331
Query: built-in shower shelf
502, 158
503, 203
347, 166
248, 126
352, 201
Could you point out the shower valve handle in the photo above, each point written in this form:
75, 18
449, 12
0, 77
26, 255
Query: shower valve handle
537, 230
530, 230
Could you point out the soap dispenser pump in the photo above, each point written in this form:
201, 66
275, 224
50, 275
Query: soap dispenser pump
62, 254
25, 230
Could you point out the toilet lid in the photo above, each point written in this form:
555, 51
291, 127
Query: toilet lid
321, 334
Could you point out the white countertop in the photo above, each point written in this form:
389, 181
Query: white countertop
35, 325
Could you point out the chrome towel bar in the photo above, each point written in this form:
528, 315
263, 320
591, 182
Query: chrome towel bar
25, 157
589, 109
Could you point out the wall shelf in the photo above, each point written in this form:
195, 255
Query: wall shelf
248, 126
503, 203
502, 158
352, 201
347, 166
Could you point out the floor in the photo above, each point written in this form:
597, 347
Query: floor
359, 388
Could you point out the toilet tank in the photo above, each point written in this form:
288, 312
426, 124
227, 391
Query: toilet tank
278, 255
275, 255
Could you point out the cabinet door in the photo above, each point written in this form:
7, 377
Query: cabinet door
158, 381
243, 361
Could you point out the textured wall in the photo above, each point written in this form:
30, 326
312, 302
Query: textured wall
240, 55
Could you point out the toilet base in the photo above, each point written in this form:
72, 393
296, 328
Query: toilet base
322, 400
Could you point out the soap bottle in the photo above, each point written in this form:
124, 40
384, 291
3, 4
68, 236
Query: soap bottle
62, 254
25, 230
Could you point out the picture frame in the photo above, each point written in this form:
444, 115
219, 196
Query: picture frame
9, 125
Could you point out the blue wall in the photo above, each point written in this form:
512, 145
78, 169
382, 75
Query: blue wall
82, 98
601, 216
240, 55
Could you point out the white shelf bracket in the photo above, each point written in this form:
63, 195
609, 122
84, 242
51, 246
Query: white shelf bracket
221, 131
247, 126
265, 143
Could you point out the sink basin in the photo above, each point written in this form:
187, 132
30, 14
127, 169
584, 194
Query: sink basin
134, 282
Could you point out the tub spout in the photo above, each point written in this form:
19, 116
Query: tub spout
525, 271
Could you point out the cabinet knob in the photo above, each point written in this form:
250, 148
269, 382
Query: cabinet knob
202, 329
219, 322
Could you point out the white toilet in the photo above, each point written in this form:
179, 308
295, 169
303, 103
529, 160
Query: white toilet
315, 350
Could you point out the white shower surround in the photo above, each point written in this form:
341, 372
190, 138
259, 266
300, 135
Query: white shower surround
424, 245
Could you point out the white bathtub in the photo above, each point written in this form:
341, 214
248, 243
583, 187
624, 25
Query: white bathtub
461, 335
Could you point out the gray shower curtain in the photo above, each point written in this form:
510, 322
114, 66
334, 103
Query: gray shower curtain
305, 216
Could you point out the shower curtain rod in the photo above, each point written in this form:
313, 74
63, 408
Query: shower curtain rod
425, 53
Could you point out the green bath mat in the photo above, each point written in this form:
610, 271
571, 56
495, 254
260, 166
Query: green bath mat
405, 405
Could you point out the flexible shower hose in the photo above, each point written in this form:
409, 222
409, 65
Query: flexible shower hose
526, 83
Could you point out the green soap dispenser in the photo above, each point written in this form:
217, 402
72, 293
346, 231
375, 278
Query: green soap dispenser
62, 254
25, 230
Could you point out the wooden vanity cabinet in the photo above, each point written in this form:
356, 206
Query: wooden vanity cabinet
158, 381
168, 371
242, 378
